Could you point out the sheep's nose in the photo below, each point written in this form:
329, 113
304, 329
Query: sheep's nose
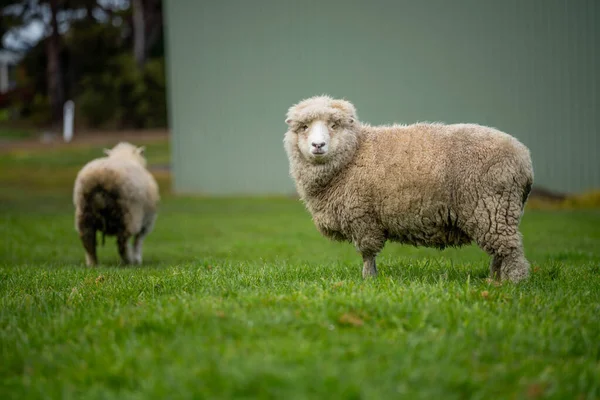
318, 145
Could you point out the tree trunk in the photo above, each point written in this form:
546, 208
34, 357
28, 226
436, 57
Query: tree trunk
154, 23
139, 32
89, 7
56, 90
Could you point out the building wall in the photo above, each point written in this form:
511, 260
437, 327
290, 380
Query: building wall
529, 68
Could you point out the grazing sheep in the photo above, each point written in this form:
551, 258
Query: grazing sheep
117, 196
425, 184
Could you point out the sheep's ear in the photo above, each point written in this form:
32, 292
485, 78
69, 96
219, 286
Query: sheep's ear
106, 151
289, 121
141, 150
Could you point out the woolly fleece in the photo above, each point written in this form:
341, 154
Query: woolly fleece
116, 195
426, 184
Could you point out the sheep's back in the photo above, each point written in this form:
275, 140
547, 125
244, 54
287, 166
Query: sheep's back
424, 177
128, 179
404, 169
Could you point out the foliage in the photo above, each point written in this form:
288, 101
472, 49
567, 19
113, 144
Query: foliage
39, 110
243, 298
122, 95
94, 63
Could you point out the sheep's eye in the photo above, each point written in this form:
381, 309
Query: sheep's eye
303, 128
334, 125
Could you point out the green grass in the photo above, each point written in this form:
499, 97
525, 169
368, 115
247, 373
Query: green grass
11, 133
40, 178
243, 298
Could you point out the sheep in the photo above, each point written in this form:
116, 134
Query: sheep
426, 184
117, 196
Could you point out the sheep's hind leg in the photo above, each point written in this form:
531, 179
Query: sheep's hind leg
138, 242
495, 267
124, 249
508, 260
513, 266
502, 241
88, 238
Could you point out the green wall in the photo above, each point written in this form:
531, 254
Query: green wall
529, 67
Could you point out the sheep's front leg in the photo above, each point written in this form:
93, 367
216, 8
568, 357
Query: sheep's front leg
369, 245
138, 239
369, 267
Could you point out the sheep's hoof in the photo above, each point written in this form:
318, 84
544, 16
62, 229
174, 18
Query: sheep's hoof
90, 262
517, 274
369, 273
369, 268
516, 278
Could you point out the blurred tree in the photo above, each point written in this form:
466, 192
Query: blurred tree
84, 49
54, 18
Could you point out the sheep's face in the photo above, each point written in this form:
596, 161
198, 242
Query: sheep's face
127, 150
316, 138
320, 139
321, 129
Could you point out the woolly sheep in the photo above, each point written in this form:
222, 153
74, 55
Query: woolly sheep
426, 184
117, 196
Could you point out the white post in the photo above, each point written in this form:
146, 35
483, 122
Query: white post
68, 115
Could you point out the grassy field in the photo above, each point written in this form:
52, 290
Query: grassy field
243, 298
13, 134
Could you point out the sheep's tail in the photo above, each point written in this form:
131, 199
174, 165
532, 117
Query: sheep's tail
526, 192
528, 173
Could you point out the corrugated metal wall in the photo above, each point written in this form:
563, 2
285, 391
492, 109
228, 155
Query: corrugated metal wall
529, 67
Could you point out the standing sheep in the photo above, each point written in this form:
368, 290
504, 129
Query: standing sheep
117, 196
431, 185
